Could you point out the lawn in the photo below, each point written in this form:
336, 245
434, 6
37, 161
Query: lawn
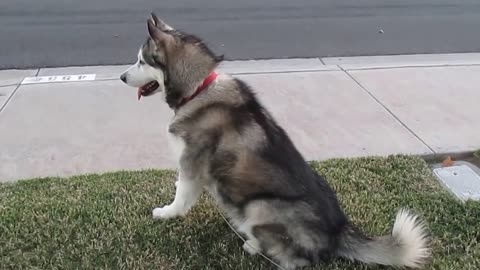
104, 221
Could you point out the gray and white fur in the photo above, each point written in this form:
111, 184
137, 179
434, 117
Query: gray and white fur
227, 143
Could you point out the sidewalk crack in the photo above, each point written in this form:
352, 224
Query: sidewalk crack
10, 97
387, 109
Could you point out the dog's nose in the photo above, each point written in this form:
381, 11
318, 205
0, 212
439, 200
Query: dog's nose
123, 77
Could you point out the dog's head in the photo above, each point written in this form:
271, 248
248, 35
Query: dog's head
171, 62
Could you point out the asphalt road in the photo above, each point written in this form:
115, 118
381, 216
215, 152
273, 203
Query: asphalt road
97, 32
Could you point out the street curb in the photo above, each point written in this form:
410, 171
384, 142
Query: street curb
403, 61
270, 66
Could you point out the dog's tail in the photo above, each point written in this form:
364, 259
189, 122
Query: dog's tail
406, 247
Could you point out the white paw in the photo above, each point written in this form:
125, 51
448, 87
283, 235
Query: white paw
165, 212
251, 247
176, 183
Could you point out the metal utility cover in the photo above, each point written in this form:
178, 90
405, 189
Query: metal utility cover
461, 180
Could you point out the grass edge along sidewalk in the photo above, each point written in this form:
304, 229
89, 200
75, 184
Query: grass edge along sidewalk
104, 221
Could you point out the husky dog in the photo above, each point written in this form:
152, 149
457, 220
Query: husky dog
228, 144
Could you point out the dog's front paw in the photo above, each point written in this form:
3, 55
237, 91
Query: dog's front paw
165, 212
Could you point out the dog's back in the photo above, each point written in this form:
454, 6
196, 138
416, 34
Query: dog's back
269, 191
258, 176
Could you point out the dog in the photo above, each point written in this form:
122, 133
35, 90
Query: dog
227, 143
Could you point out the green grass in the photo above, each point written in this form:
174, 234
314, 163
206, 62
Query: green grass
477, 153
104, 221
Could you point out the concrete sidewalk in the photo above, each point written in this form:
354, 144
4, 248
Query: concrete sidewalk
331, 107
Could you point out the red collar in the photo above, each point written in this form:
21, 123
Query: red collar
208, 80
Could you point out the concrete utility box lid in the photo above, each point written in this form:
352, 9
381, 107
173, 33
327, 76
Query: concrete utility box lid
461, 180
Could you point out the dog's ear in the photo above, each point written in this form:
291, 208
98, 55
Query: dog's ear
159, 23
156, 34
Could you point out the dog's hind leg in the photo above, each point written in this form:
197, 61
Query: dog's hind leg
278, 245
252, 246
187, 193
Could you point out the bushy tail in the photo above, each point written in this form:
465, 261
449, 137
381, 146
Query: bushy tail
406, 247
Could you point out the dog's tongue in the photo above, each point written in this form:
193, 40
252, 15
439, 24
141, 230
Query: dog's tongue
139, 93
